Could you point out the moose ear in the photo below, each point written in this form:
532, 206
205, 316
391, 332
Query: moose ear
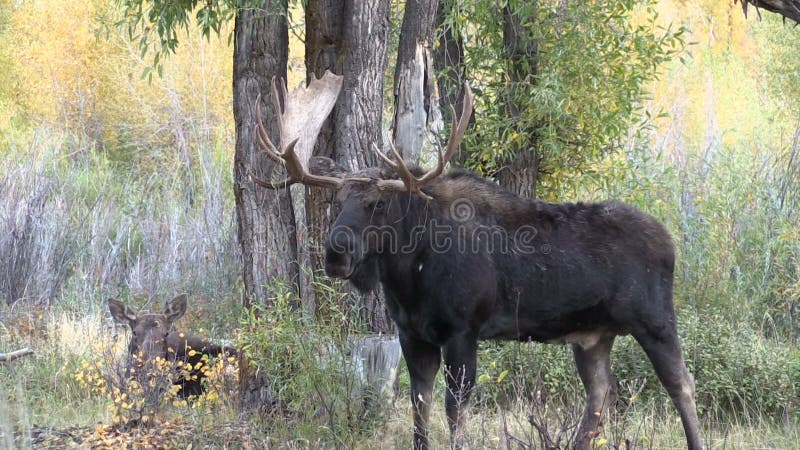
321, 165
176, 307
120, 312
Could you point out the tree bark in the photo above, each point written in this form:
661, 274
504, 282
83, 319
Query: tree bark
416, 102
265, 219
360, 109
448, 58
348, 37
324, 37
359, 113
521, 172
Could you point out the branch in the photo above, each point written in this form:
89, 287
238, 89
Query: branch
8, 357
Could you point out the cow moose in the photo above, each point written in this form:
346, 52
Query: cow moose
153, 336
462, 259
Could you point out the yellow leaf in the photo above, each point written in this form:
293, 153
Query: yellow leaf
502, 376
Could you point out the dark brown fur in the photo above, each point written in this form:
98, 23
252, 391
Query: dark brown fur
577, 273
153, 335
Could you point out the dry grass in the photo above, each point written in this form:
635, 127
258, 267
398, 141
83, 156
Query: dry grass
39, 392
654, 427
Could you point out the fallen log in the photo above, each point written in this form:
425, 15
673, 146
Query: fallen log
8, 357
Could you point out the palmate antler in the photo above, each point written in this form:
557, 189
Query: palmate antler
300, 121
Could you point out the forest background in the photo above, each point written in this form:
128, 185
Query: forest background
117, 181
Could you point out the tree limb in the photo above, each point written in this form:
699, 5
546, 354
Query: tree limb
8, 357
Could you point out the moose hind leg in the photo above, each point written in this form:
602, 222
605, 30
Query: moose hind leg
664, 351
460, 358
594, 368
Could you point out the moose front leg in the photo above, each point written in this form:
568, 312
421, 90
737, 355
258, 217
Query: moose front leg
422, 360
460, 359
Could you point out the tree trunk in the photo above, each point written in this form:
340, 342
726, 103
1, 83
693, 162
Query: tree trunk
359, 112
324, 23
348, 37
520, 173
265, 219
448, 58
416, 102
360, 109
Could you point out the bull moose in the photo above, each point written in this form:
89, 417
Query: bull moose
153, 336
462, 259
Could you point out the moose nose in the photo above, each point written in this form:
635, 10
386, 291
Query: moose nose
339, 251
337, 265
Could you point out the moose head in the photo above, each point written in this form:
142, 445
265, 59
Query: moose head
154, 338
363, 198
150, 332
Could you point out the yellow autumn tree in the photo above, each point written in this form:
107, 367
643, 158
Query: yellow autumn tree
75, 71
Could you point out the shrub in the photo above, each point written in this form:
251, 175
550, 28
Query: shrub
311, 368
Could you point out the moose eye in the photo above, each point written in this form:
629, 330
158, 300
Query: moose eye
378, 205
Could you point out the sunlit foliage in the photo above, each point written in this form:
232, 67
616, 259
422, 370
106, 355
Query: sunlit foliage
585, 84
83, 75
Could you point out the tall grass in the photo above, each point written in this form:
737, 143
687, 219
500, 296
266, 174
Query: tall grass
79, 227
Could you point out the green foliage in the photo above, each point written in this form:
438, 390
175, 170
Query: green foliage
579, 94
154, 25
38, 388
509, 371
309, 368
781, 47
738, 373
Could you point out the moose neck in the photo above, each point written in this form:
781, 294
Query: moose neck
414, 222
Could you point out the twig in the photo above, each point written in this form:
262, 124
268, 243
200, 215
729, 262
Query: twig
8, 357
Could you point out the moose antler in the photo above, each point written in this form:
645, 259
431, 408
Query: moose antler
411, 183
300, 121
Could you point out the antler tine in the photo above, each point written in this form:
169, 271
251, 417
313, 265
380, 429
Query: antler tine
262, 137
456, 136
276, 99
383, 156
413, 184
405, 173
298, 173
273, 185
458, 130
